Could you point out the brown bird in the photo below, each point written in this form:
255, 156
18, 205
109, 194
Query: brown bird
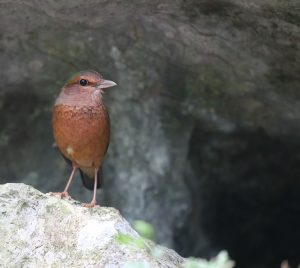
81, 128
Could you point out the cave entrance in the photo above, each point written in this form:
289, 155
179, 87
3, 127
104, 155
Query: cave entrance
245, 190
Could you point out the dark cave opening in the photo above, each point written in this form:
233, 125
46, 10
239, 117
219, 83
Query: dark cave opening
245, 190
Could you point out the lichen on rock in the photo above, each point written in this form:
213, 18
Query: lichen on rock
42, 230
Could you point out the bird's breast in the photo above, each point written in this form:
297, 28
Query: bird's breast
82, 133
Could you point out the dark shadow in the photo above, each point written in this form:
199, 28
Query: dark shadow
245, 188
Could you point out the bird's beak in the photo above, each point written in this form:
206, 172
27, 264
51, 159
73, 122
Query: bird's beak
106, 84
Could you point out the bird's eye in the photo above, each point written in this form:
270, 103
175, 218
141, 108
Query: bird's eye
83, 82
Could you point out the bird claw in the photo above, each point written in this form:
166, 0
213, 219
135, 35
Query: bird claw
62, 195
90, 205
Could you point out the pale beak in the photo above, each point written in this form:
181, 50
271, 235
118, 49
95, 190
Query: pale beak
106, 84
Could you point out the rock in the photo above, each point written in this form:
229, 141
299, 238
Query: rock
39, 230
205, 120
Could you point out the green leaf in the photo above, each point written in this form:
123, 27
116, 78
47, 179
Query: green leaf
145, 229
124, 238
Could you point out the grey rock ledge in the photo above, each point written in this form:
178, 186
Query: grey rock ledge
41, 230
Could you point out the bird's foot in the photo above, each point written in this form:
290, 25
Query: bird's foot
90, 205
62, 195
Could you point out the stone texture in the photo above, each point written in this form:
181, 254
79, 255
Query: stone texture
201, 85
41, 230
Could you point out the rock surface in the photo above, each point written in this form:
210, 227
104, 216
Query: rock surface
205, 121
39, 230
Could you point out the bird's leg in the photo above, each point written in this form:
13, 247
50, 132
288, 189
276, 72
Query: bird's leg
65, 192
93, 202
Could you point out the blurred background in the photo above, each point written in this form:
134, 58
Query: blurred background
205, 119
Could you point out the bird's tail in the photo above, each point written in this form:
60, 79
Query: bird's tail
88, 181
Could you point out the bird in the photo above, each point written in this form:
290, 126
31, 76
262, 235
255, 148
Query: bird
81, 128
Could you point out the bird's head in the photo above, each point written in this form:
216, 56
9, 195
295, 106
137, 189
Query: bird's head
83, 87
88, 80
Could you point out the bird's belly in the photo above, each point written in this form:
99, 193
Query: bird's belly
81, 133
